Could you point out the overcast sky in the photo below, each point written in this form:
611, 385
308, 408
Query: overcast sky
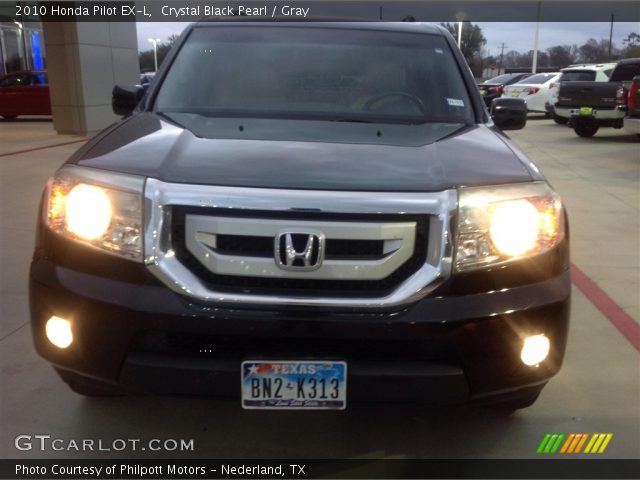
517, 36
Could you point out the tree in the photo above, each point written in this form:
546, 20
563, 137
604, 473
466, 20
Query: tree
471, 42
146, 58
543, 59
513, 59
561, 55
632, 48
594, 51
632, 40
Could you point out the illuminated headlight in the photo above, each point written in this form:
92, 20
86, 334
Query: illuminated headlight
497, 225
100, 209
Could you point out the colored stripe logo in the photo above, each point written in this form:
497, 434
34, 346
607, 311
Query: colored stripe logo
572, 443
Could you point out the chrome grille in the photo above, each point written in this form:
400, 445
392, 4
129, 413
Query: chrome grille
245, 245
397, 238
196, 243
303, 283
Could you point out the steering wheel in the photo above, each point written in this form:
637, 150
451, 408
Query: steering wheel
416, 100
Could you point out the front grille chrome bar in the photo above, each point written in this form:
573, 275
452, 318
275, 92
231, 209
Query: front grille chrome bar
201, 231
162, 262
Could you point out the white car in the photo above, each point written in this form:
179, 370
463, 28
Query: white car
592, 72
533, 90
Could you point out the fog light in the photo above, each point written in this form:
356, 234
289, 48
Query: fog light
59, 332
535, 350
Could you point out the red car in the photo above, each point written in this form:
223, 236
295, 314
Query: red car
24, 93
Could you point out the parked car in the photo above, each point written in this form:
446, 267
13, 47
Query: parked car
533, 90
493, 88
146, 78
591, 105
596, 72
315, 229
24, 93
631, 122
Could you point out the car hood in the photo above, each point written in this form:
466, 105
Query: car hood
306, 154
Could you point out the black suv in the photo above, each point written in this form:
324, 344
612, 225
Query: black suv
324, 213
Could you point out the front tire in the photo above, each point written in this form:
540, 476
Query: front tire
585, 129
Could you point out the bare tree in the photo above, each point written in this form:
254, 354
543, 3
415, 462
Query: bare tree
561, 55
594, 51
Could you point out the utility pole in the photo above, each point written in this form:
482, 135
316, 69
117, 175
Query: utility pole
610, 36
155, 51
534, 64
501, 47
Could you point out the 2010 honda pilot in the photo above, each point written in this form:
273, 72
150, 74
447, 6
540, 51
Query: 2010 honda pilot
302, 215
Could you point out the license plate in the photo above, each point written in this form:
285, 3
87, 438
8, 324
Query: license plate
515, 94
294, 385
586, 111
483, 91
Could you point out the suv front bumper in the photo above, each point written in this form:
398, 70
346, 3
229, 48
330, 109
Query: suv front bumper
460, 343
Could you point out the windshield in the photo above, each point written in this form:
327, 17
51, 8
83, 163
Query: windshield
316, 73
502, 78
578, 76
625, 72
538, 79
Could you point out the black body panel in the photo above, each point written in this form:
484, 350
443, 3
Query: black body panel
356, 158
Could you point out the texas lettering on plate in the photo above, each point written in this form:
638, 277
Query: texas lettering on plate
286, 384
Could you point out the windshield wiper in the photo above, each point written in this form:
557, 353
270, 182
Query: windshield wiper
170, 119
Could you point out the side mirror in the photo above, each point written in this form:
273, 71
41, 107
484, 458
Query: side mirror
125, 98
509, 113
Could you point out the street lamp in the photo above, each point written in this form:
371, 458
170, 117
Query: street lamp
459, 33
155, 51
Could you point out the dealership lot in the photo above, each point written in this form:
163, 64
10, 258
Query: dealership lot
598, 389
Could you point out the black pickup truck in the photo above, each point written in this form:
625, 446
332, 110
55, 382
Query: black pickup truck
591, 105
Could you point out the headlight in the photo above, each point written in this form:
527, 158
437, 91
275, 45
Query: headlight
497, 225
100, 209
88, 211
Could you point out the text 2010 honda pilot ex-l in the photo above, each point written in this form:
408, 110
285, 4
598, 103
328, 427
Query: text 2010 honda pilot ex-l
300, 216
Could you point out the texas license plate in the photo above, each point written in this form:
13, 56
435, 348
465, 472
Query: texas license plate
483, 91
586, 111
515, 94
308, 385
